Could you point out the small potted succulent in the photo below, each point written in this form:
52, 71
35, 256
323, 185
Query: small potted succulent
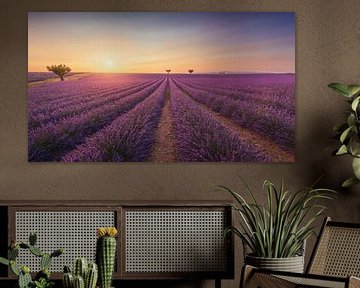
84, 274
348, 132
275, 233
42, 278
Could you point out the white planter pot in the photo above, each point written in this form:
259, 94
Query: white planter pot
291, 264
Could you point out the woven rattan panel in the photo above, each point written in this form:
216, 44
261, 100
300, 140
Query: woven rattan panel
338, 253
75, 231
311, 282
175, 241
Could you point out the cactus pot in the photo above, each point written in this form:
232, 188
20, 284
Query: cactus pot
291, 264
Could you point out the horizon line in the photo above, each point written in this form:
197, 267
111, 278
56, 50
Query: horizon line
210, 72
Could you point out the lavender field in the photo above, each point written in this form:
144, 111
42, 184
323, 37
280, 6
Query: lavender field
109, 117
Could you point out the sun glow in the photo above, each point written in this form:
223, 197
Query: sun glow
109, 65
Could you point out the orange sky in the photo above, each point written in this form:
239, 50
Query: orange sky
153, 42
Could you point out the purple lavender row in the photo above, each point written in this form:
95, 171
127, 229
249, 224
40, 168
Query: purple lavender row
56, 92
128, 139
255, 97
48, 92
275, 90
54, 114
39, 114
52, 141
39, 76
200, 137
277, 95
278, 125
68, 91
65, 95
76, 108
238, 80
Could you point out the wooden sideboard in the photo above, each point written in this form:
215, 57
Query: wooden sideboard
157, 240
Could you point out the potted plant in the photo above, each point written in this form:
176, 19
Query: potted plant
276, 233
349, 132
87, 274
106, 254
84, 274
42, 278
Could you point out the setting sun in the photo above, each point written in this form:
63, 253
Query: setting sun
109, 65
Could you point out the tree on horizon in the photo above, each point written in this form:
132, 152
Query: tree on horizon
60, 70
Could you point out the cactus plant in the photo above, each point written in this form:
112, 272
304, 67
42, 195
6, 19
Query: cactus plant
79, 282
24, 277
80, 268
36, 251
42, 278
14, 268
45, 261
84, 274
91, 276
13, 253
106, 254
32, 239
68, 280
4, 261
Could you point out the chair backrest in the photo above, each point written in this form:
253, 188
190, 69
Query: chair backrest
337, 251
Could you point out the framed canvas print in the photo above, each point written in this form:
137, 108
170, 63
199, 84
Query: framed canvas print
161, 87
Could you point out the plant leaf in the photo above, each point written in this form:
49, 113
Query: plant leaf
340, 88
4, 261
353, 89
355, 103
351, 119
349, 182
342, 150
345, 134
356, 167
354, 145
14, 268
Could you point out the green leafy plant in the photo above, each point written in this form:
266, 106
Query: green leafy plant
43, 283
42, 278
279, 229
349, 132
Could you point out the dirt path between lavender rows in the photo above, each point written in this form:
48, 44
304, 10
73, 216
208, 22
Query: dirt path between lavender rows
164, 148
262, 142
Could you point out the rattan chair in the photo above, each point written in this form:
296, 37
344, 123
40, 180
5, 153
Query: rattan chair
334, 263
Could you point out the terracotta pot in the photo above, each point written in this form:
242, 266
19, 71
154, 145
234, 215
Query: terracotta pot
291, 264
